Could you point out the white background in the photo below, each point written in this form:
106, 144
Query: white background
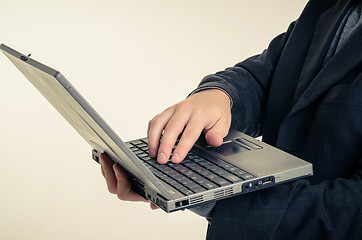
130, 60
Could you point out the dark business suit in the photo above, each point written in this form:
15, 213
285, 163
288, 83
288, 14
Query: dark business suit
311, 110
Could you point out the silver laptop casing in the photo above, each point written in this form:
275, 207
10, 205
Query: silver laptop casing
267, 164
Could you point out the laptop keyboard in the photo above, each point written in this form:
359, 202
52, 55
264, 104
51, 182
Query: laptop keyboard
194, 174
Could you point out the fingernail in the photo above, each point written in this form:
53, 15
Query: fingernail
115, 171
161, 158
175, 158
152, 153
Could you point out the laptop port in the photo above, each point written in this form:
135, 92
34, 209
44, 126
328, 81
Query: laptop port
258, 184
267, 180
248, 186
182, 203
95, 155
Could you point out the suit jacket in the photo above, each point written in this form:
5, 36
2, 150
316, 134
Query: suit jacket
311, 111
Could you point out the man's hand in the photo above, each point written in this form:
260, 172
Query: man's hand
207, 111
118, 182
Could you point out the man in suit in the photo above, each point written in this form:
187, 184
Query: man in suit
303, 95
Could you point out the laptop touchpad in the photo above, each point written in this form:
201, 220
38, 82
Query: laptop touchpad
229, 148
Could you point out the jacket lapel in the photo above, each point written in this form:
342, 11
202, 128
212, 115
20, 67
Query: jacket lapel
287, 95
338, 66
325, 31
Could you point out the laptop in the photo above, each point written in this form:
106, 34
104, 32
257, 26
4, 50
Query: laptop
240, 165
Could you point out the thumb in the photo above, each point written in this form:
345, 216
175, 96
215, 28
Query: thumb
215, 135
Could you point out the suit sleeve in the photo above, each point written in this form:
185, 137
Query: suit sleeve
247, 84
331, 209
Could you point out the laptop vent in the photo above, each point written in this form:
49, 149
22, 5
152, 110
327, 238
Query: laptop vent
229, 191
218, 194
196, 199
223, 193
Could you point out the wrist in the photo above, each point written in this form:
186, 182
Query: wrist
218, 92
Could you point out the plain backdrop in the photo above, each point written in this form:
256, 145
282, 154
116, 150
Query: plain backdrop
130, 60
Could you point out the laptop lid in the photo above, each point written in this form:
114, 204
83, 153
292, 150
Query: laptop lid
76, 110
